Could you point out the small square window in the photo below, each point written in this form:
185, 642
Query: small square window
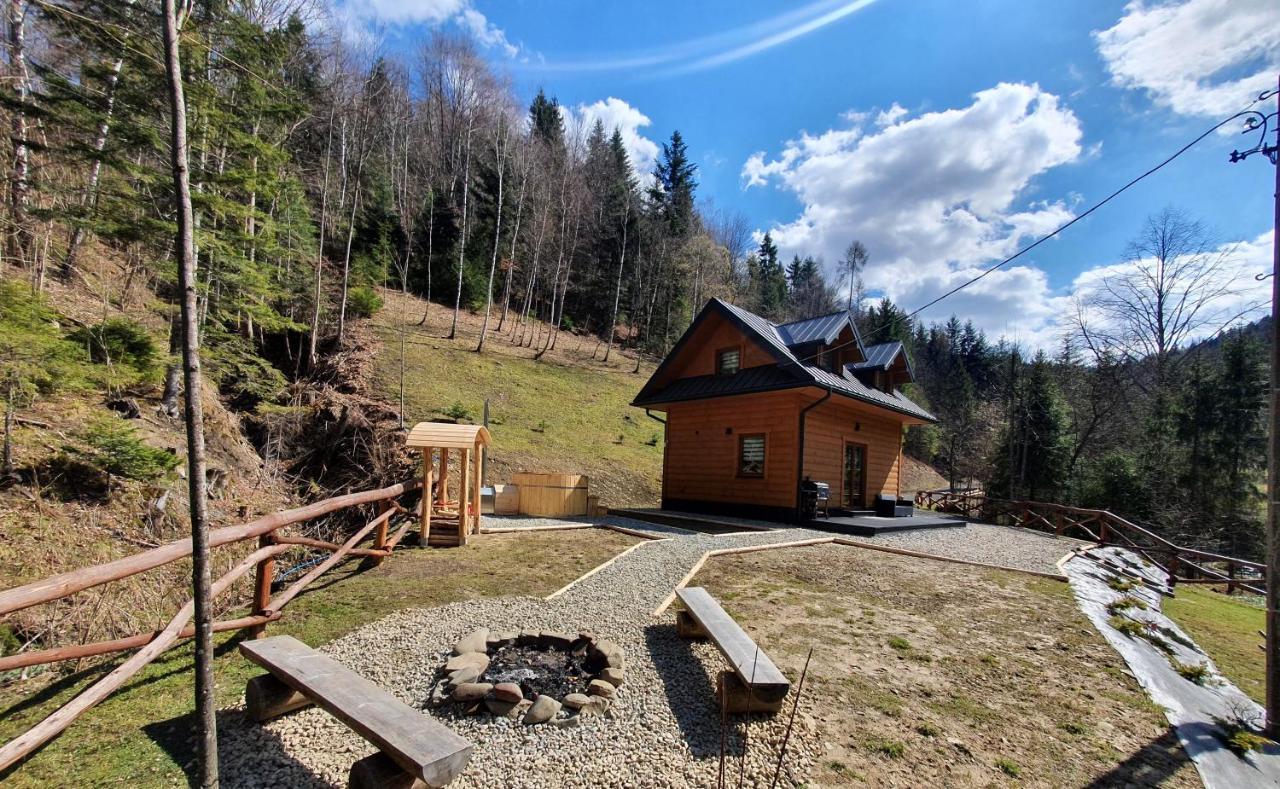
727, 361
751, 456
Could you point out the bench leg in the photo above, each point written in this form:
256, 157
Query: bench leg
688, 627
378, 771
737, 697
266, 697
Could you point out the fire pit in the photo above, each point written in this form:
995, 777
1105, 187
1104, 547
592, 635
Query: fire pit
533, 676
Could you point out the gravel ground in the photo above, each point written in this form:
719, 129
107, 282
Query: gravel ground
663, 728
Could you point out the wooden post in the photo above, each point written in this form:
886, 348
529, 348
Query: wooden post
380, 534
1173, 569
262, 584
464, 479
443, 495
428, 500
475, 493
1231, 574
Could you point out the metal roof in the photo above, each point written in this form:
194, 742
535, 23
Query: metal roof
789, 373
879, 356
824, 327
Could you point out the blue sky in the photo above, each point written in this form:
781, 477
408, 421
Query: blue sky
942, 134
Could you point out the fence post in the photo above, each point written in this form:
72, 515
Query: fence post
380, 534
1231, 574
1174, 564
265, 574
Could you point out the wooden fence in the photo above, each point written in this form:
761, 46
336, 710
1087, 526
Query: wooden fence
265, 608
1184, 565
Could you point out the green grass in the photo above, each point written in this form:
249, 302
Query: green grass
139, 736
1227, 629
564, 413
1009, 767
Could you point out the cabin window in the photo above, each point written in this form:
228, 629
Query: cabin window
751, 455
728, 360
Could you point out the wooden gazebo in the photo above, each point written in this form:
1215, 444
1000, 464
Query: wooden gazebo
459, 516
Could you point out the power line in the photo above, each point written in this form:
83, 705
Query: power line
1044, 238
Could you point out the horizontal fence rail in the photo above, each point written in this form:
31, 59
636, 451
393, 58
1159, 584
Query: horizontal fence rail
265, 607
1183, 565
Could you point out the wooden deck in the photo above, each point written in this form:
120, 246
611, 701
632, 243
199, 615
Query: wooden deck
871, 525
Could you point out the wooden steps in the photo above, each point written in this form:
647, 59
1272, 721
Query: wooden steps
417, 744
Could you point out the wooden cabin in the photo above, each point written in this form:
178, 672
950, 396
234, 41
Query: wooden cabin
753, 408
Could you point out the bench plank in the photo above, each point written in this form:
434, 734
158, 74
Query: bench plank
749, 662
421, 746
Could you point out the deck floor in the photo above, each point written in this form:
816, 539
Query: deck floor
871, 525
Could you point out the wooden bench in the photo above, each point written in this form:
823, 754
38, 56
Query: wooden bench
755, 684
414, 749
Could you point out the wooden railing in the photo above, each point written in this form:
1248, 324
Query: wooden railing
265, 607
1184, 565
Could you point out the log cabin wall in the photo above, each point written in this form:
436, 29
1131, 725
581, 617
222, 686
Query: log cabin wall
838, 421
698, 357
700, 472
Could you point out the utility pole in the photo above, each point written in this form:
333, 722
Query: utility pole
206, 704
1266, 123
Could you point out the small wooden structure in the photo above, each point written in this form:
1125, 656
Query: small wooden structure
412, 746
755, 684
456, 517
552, 495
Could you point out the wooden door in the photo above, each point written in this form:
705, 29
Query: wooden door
854, 489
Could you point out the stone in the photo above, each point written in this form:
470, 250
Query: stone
501, 709
502, 638
476, 660
599, 687
471, 691
508, 691
577, 700
476, 641
544, 709
464, 675
552, 640
610, 653
613, 676
598, 705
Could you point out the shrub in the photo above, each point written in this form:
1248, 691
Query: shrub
1009, 767
1242, 741
928, 730
1075, 727
363, 301
118, 341
899, 643
34, 356
891, 748
457, 412
1122, 584
1193, 672
239, 371
1125, 603
117, 450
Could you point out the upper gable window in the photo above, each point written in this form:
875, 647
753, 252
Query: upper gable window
728, 361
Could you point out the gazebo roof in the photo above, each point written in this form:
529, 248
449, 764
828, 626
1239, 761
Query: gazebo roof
447, 436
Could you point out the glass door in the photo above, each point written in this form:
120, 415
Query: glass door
855, 476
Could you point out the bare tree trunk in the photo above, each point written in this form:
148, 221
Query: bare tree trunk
324, 215
346, 262
533, 278
18, 187
462, 242
90, 199
499, 153
511, 259
206, 703
617, 290
6, 473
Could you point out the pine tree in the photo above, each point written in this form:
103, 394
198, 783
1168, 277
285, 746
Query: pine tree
674, 184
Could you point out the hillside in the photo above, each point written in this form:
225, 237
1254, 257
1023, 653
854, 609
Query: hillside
565, 412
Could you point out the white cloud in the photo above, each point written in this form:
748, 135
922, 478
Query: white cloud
891, 116
935, 198
616, 113
1199, 57
430, 13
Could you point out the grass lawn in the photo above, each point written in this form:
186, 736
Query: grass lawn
926, 673
1227, 629
566, 412
139, 736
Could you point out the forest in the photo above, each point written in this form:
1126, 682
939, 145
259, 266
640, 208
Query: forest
321, 173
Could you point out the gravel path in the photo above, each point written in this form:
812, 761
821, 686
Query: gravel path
663, 728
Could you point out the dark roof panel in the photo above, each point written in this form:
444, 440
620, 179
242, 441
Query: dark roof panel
789, 373
825, 328
879, 356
